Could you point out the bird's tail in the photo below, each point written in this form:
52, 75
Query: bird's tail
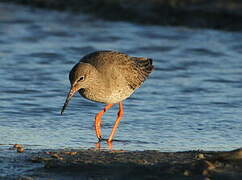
145, 65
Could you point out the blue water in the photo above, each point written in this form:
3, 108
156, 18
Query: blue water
193, 99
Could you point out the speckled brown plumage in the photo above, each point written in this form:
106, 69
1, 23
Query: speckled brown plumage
134, 69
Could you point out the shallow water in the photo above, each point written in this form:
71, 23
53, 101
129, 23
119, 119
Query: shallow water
192, 100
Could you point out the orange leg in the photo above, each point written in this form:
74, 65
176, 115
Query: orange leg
98, 120
120, 115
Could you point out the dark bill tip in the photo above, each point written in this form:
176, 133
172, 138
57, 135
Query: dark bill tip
68, 98
64, 107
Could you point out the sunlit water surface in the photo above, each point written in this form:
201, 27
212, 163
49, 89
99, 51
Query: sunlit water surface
193, 99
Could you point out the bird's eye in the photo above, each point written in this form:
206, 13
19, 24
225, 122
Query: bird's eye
81, 78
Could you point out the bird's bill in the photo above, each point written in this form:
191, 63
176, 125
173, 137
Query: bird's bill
72, 91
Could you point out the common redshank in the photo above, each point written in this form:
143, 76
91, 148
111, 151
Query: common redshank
108, 77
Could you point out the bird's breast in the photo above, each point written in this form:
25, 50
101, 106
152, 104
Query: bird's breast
107, 96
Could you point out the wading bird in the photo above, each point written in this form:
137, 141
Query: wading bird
108, 77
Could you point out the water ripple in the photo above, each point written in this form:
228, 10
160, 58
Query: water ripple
191, 101
203, 51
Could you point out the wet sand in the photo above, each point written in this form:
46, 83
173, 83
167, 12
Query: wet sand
119, 164
216, 14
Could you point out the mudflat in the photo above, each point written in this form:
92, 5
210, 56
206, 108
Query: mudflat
121, 164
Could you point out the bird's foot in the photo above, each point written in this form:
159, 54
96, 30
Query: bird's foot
109, 140
100, 139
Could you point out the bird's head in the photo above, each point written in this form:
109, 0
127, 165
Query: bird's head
81, 77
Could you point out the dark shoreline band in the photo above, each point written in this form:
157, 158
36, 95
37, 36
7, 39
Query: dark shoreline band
216, 14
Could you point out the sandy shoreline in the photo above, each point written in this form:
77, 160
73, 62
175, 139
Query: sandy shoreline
119, 164
217, 14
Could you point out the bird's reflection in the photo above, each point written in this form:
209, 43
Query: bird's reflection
109, 145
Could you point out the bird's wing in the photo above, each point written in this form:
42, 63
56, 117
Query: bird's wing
136, 70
